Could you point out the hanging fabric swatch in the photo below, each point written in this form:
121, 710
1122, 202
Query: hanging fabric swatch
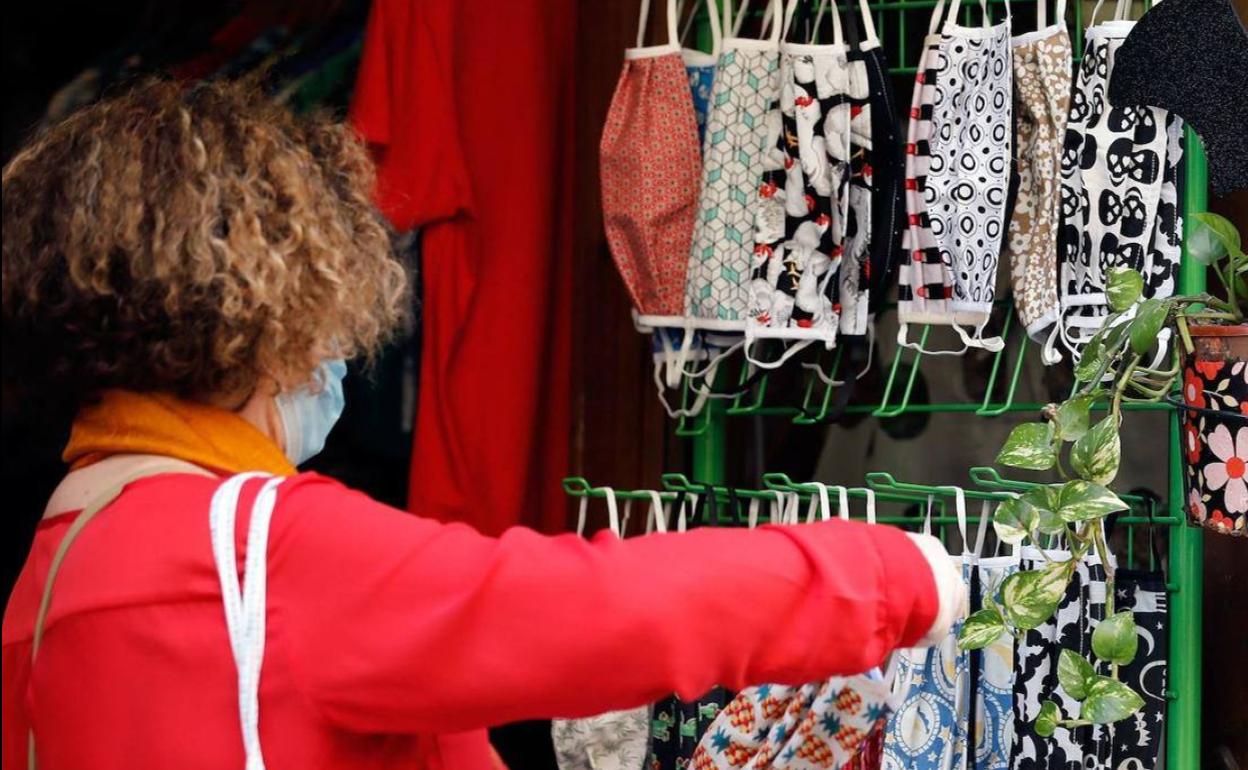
1137, 740
888, 195
616, 740
802, 209
932, 727
746, 88
855, 272
699, 65
1036, 670
990, 727
924, 281
1118, 174
650, 169
1042, 82
815, 726
969, 169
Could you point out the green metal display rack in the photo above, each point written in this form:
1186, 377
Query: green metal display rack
707, 431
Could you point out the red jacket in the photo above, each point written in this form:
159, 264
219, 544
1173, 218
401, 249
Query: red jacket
393, 641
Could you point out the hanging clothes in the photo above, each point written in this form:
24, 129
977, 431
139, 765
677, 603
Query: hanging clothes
803, 211
1042, 82
495, 264
1119, 191
1035, 682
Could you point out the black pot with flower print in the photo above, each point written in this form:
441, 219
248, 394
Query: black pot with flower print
1215, 429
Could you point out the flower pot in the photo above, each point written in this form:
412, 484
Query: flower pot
1215, 428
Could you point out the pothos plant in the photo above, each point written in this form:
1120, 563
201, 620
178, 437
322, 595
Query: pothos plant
1086, 454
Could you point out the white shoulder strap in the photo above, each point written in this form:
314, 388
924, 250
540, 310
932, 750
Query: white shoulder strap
245, 607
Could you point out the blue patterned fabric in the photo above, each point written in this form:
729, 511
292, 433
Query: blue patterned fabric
701, 78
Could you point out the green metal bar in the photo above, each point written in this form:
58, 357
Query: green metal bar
883, 410
708, 447
1186, 544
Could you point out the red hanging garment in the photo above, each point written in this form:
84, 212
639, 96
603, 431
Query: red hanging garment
468, 109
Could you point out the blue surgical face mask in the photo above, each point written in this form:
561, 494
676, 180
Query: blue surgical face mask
309, 413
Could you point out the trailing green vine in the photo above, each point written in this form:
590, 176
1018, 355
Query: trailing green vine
1087, 455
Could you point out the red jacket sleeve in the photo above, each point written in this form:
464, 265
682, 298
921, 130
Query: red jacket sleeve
394, 623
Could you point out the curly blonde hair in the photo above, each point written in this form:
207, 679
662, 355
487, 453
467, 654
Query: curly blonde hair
191, 241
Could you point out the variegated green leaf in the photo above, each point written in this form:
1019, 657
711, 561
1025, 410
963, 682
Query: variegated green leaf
1074, 673
1080, 500
1213, 237
1073, 415
1097, 453
1123, 288
1030, 598
1029, 446
1014, 519
1147, 324
1045, 499
1115, 640
1047, 719
981, 629
1108, 701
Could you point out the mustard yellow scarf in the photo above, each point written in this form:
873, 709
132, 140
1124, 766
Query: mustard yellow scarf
125, 422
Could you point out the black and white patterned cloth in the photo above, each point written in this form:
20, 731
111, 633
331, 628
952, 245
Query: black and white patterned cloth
1120, 176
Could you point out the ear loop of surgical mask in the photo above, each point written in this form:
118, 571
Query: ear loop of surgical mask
613, 513
656, 521
716, 33
673, 361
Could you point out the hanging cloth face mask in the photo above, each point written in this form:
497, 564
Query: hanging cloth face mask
887, 168
821, 725
803, 206
699, 66
650, 166
855, 271
989, 728
969, 169
617, 740
1042, 82
1189, 57
927, 732
746, 87
1035, 679
1115, 164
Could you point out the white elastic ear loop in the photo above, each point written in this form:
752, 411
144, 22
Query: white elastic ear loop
984, 515
927, 518
673, 33
837, 35
991, 344
820, 504
657, 519
1049, 354
792, 507
868, 24
581, 514
717, 33
613, 512
933, 23
682, 516
626, 515
751, 520
789, 352
842, 501
870, 504
959, 499
903, 333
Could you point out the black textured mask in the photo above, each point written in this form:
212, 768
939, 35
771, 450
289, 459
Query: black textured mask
1191, 57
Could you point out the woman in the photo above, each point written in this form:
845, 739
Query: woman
189, 267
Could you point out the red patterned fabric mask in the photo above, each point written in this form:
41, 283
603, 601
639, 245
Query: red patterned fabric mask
650, 166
